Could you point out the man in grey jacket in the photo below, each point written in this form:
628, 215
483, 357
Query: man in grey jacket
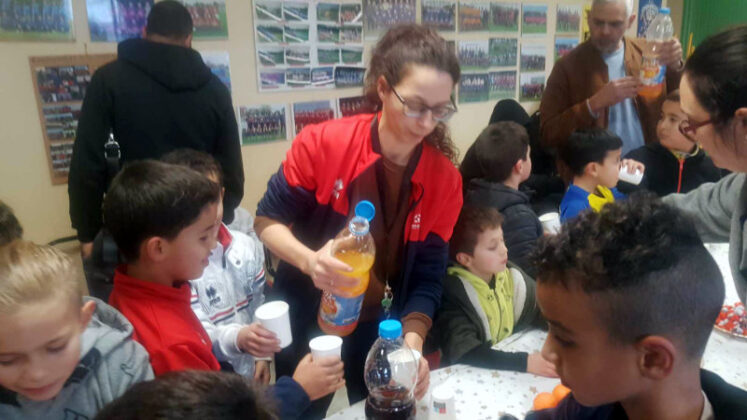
720, 212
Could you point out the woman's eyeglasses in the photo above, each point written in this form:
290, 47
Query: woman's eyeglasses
440, 113
688, 127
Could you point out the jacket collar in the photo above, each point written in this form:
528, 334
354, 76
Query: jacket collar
137, 289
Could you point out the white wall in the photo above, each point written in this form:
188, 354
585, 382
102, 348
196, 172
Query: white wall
43, 208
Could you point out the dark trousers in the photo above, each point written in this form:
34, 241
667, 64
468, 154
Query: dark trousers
355, 348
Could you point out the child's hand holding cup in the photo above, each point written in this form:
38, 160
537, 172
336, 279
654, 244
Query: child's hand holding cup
325, 346
274, 317
550, 223
631, 171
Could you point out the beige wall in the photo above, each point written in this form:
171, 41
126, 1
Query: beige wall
24, 177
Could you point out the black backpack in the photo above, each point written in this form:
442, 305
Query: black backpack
99, 267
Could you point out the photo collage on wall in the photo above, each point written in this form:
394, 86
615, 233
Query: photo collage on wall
36, 20
381, 15
62, 90
308, 45
263, 123
60, 85
219, 64
209, 18
117, 20
511, 61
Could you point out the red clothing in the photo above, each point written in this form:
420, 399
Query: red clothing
164, 323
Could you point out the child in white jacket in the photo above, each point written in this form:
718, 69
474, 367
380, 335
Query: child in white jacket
231, 288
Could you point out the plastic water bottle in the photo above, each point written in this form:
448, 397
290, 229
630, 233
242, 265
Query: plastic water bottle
354, 245
653, 72
391, 374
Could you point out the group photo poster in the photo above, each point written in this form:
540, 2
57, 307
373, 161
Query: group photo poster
439, 14
532, 86
36, 20
117, 20
503, 51
381, 15
473, 16
534, 19
313, 112
564, 45
209, 18
502, 85
473, 87
568, 19
533, 57
504, 17
60, 84
219, 64
263, 123
354, 105
473, 55
299, 45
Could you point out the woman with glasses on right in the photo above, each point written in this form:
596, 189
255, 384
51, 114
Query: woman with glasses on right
401, 159
713, 95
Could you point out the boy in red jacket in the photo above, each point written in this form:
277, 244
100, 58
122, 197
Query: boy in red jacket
164, 219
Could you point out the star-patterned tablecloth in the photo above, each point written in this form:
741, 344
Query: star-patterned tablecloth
487, 394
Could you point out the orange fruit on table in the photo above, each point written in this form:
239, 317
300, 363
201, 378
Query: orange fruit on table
560, 392
544, 400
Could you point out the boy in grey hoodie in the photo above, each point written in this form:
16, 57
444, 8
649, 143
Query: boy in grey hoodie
62, 356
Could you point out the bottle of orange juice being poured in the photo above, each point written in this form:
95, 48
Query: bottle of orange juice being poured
354, 245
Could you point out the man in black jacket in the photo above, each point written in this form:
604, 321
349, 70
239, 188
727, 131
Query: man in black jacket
156, 97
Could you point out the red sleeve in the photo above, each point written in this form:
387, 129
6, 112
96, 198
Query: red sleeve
177, 358
444, 224
298, 166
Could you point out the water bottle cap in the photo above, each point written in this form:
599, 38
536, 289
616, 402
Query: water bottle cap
664, 11
366, 209
390, 329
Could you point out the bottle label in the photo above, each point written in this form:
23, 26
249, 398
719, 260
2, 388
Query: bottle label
340, 311
653, 75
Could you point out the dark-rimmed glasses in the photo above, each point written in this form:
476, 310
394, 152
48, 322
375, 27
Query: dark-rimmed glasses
440, 113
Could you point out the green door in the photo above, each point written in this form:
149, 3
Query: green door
702, 18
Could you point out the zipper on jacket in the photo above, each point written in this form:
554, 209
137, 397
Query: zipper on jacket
679, 180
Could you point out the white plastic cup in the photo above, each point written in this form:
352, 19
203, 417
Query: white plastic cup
326, 346
274, 316
550, 222
443, 406
634, 178
401, 372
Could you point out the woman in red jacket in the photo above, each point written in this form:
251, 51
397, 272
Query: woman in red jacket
402, 160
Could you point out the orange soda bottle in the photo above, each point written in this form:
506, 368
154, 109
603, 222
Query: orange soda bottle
354, 245
653, 73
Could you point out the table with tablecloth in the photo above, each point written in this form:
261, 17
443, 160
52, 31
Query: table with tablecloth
486, 394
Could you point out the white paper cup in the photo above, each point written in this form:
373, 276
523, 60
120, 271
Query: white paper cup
274, 317
326, 346
550, 222
443, 406
402, 372
634, 178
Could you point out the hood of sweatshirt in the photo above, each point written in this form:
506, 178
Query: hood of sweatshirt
484, 193
177, 68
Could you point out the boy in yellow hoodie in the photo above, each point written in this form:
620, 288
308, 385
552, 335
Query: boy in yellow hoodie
485, 298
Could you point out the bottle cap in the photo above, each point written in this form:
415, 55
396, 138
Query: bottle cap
664, 11
366, 209
390, 329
